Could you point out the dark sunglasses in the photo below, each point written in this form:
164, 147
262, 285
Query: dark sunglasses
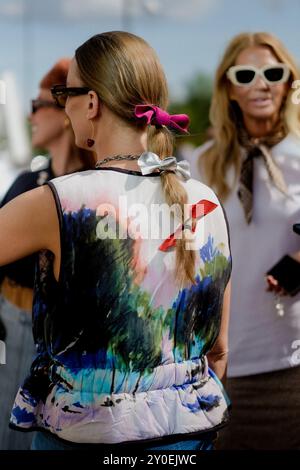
60, 93
37, 104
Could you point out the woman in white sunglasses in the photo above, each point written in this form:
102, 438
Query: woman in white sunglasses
253, 163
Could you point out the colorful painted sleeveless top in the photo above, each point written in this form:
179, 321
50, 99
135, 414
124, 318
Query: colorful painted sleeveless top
120, 347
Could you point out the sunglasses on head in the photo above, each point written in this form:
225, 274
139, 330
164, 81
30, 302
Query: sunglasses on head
245, 75
61, 92
37, 104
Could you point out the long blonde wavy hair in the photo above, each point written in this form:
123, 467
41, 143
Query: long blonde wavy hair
224, 153
125, 71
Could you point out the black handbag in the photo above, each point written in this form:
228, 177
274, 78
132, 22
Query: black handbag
296, 228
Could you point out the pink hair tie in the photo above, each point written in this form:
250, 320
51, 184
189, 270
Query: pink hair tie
158, 117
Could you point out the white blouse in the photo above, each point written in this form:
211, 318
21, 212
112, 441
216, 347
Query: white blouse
260, 340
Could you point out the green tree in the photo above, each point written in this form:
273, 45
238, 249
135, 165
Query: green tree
196, 104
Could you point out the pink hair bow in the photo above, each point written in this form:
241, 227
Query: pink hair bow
158, 117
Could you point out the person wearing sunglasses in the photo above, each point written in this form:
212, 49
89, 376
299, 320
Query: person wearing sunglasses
52, 132
131, 303
253, 163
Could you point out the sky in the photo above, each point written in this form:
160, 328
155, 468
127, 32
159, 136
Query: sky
188, 35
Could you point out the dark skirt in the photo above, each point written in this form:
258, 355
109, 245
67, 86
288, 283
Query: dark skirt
265, 412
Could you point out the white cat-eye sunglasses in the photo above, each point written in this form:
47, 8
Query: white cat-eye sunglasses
245, 75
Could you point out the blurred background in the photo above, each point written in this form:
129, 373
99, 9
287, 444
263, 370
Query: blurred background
189, 37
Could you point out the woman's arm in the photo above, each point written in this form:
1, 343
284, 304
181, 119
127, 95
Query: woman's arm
28, 224
218, 355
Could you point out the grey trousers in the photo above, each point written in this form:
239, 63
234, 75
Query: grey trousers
19, 355
265, 412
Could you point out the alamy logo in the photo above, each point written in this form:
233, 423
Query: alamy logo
2, 353
296, 93
2, 92
159, 221
295, 358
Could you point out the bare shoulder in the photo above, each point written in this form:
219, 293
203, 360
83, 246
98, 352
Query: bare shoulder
28, 224
35, 203
40, 204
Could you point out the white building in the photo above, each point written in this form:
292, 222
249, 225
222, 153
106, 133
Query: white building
15, 151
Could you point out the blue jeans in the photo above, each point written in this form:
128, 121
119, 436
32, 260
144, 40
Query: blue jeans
186, 445
43, 441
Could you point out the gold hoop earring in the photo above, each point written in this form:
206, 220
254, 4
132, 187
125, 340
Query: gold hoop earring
90, 142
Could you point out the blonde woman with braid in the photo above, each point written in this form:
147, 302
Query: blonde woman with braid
131, 298
253, 164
